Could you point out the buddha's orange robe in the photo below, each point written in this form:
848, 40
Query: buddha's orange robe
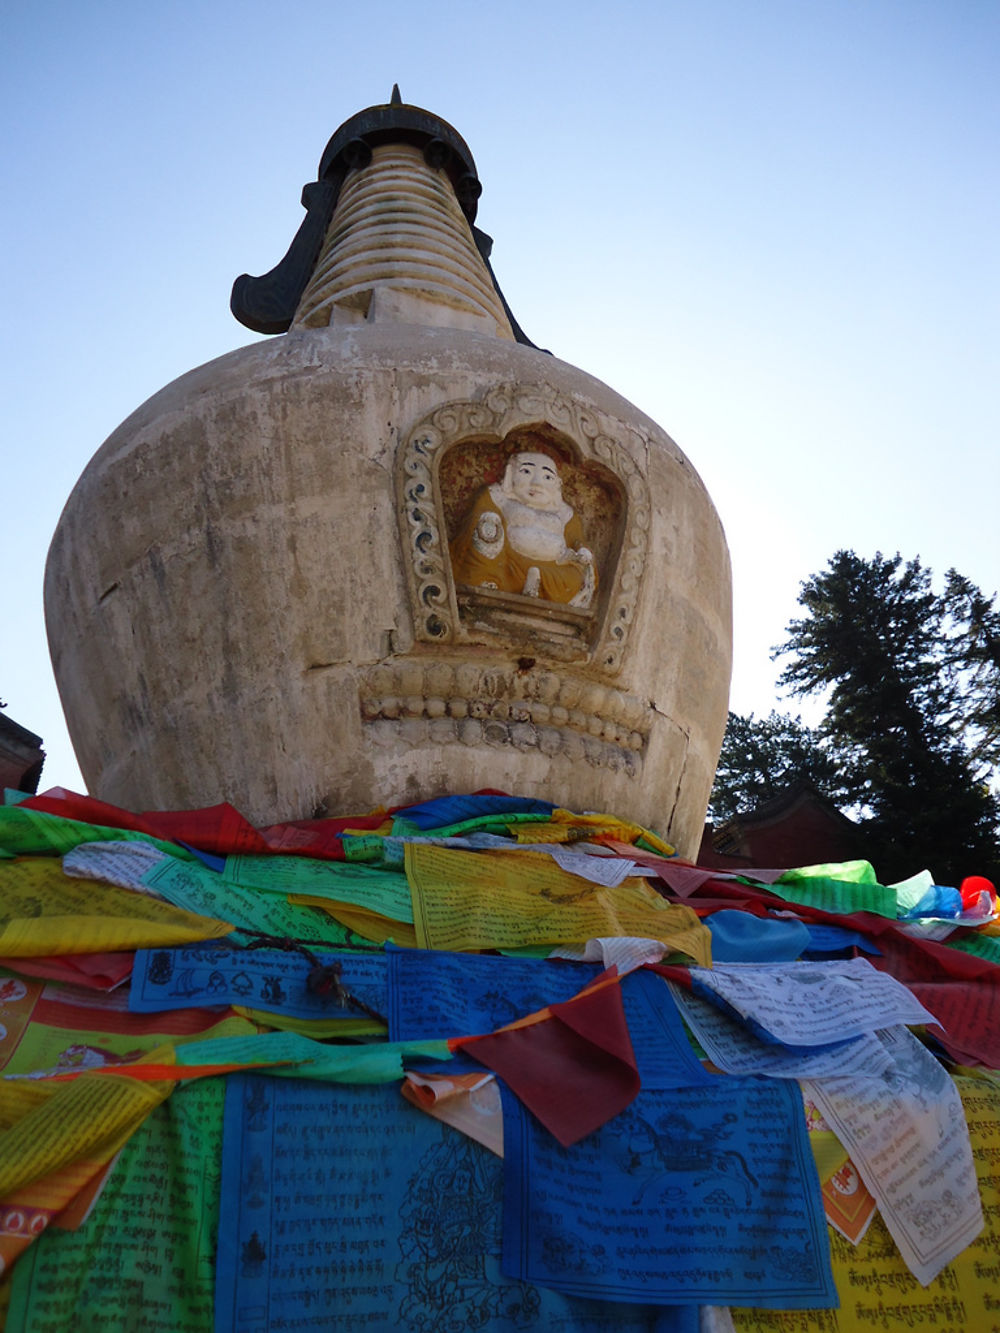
508, 570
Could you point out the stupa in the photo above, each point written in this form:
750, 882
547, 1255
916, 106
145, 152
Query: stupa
394, 550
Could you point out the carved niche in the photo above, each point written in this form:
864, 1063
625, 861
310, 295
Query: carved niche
554, 569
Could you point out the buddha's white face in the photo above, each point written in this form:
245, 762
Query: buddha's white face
533, 479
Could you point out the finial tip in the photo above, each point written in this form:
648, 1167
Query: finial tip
395, 99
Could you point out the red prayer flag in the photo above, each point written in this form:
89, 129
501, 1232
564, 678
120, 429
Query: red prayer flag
575, 1069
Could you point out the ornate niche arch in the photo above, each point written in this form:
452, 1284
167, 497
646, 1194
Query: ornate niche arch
460, 447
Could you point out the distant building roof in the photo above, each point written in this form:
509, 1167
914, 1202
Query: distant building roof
21, 756
800, 826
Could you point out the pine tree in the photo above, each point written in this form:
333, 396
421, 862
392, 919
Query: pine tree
907, 674
762, 757
973, 658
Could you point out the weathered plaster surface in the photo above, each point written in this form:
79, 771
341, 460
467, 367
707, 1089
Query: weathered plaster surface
228, 576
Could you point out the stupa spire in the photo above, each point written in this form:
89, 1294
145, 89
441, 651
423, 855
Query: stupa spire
399, 248
389, 234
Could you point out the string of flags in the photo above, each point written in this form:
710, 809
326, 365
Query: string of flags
483, 1062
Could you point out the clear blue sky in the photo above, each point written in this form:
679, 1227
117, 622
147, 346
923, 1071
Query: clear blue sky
772, 225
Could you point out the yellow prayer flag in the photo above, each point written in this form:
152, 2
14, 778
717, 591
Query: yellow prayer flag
464, 901
21, 1097
89, 1117
876, 1288
60, 1197
318, 1029
567, 826
43, 911
370, 925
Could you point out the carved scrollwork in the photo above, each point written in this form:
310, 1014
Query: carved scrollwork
423, 530
430, 581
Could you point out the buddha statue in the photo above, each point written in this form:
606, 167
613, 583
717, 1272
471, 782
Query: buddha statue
521, 536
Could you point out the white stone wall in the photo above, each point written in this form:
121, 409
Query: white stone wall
229, 572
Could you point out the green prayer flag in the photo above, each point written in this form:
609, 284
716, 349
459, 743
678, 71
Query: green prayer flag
145, 1256
300, 1057
384, 892
37, 833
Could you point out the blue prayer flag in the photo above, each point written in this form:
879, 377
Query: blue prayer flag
700, 1196
345, 1207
